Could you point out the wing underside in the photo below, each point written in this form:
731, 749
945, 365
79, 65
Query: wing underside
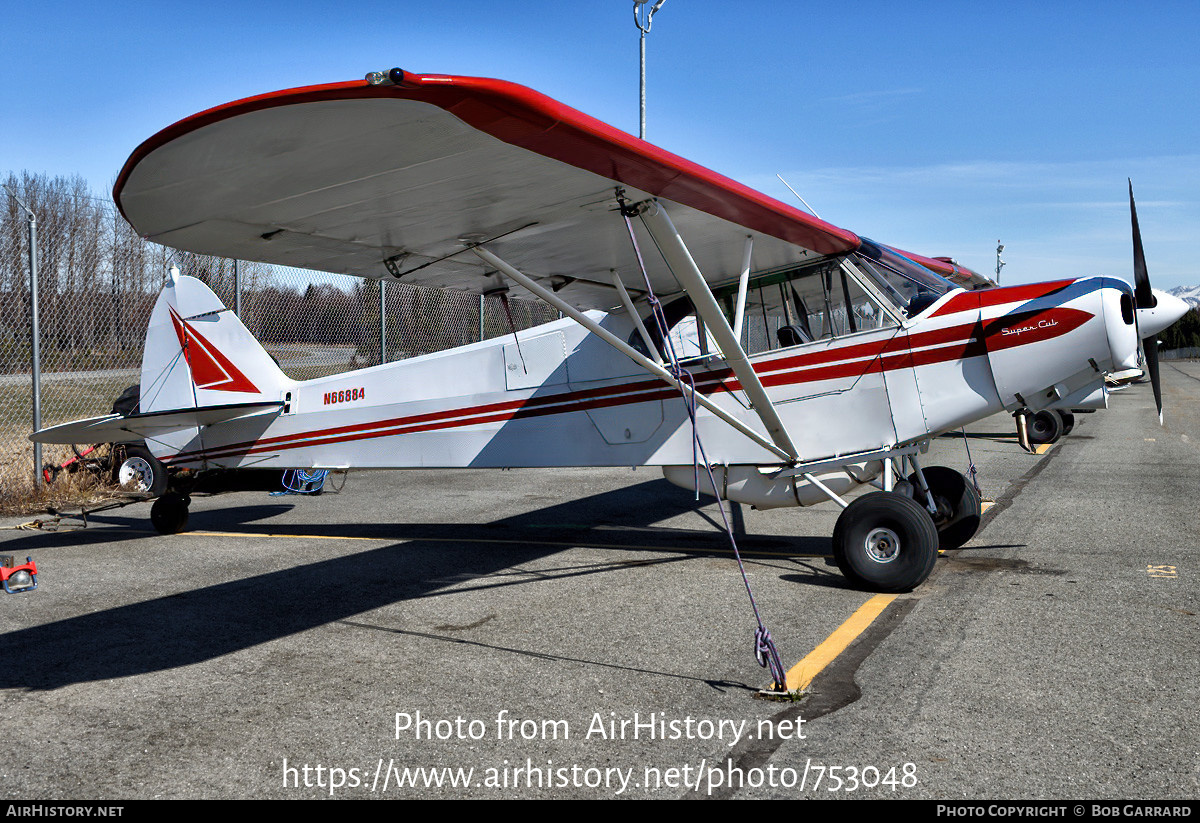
396, 181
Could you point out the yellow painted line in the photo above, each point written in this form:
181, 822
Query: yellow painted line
1042, 449
803, 673
1164, 571
567, 544
297, 536
985, 505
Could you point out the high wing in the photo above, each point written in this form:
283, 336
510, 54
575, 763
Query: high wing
395, 180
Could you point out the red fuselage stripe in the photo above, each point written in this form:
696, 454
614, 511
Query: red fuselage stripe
839, 363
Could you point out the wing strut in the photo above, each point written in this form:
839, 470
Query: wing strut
739, 313
627, 302
680, 261
620, 345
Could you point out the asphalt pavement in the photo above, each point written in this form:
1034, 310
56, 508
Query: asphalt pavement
586, 633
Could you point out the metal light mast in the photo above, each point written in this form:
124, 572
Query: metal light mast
643, 17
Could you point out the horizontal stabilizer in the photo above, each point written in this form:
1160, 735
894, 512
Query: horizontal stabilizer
116, 428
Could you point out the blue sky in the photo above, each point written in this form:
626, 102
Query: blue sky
939, 127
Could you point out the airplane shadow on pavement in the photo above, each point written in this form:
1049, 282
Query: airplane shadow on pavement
205, 623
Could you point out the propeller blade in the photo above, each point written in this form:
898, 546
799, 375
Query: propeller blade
1144, 298
1143, 294
1150, 346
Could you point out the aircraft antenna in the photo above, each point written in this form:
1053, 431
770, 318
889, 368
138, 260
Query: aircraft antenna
811, 210
512, 327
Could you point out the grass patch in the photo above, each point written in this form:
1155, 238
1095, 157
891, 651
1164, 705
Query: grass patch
19, 495
62, 401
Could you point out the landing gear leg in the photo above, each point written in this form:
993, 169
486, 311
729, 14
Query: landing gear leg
959, 510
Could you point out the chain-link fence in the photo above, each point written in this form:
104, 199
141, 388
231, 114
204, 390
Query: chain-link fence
97, 283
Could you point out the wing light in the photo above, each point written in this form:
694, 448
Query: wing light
391, 77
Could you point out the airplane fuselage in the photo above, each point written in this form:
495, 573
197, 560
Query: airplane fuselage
556, 395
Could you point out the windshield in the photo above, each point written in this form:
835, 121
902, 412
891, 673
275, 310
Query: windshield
913, 287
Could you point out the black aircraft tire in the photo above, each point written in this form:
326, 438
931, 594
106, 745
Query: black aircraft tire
169, 514
1068, 421
885, 542
960, 510
1044, 426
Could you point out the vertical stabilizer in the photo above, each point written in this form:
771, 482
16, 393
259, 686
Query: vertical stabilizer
199, 354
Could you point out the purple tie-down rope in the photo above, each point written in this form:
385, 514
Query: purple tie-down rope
764, 646
768, 657
972, 471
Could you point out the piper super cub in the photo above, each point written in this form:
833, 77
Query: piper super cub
811, 359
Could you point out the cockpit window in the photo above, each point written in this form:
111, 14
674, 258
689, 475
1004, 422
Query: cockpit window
803, 304
786, 307
910, 285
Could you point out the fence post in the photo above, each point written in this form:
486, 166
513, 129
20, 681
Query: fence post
35, 349
382, 322
36, 354
237, 290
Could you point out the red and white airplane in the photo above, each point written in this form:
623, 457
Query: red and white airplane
814, 359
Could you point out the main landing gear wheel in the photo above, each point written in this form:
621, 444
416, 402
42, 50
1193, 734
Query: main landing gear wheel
1044, 426
885, 542
959, 508
169, 514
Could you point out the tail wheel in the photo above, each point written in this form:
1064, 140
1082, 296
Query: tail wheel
134, 468
169, 514
960, 510
885, 542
